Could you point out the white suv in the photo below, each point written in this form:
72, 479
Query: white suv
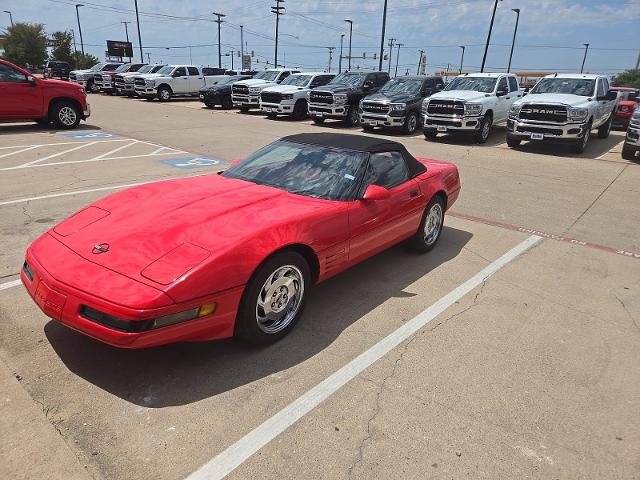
290, 97
470, 103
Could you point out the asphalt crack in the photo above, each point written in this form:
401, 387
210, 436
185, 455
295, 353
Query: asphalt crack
627, 310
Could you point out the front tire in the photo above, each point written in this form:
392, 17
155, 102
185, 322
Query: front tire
430, 227
581, 145
628, 152
605, 129
300, 110
430, 134
485, 129
411, 123
352, 119
164, 94
513, 142
227, 103
318, 120
65, 115
92, 87
273, 299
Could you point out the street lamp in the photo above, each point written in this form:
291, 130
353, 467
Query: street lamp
10, 16
350, 22
384, 26
513, 42
486, 47
340, 59
78, 5
462, 57
126, 32
586, 49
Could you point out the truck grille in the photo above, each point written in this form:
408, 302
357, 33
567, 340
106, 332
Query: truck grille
139, 81
445, 107
373, 107
271, 97
118, 80
544, 113
325, 98
240, 89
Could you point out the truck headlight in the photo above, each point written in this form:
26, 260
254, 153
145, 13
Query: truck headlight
578, 113
361, 104
255, 90
340, 98
149, 83
425, 105
514, 111
397, 107
472, 109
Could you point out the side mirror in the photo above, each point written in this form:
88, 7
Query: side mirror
375, 193
32, 81
611, 95
501, 93
176, 74
367, 85
439, 86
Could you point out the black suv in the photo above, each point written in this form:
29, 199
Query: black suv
220, 93
56, 69
397, 104
340, 98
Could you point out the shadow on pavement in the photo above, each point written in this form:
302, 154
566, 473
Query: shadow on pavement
180, 374
29, 127
596, 147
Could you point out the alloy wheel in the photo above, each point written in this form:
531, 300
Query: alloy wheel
433, 224
279, 299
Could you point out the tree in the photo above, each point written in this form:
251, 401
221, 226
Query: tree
26, 44
84, 60
62, 47
628, 78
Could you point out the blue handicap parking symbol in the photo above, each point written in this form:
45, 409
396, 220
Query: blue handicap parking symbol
90, 135
190, 162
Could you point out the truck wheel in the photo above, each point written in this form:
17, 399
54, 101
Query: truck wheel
485, 128
318, 120
628, 152
605, 129
300, 110
227, 104
244, 109
410, 124
581, 145
92, 87
367, 128
430, 134
164, 94
513, 142
352, 119
65, 115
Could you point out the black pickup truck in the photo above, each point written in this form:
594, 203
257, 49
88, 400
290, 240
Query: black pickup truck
397, 104
341, 97
57, 69
220, 93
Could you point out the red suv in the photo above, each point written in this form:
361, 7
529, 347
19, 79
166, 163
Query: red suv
627, 104
25, 97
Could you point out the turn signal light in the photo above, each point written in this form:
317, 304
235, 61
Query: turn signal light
207, 309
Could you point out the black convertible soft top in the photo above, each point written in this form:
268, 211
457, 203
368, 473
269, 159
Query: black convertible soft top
358, 143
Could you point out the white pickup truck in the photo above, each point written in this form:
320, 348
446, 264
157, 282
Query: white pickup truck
563, 108
246, 94
290, 97
471, 103
174, 81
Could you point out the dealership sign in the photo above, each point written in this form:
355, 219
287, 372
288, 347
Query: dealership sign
119, 49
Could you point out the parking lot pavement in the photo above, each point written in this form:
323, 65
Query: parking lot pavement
532, 374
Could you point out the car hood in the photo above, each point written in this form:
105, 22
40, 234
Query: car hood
461, 95
390, 98
159, 231
284, 89
149, 75
336, 88
255, 82
49, 82
554, 98
216, 88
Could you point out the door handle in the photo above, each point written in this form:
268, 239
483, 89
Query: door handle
413, 193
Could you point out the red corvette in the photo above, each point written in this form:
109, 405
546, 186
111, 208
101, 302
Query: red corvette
235, 254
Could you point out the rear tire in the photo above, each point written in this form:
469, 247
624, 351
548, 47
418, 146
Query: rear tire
274, 299
65, 115
430, 134
605, 129
430, 228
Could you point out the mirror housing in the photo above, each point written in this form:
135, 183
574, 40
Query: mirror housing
611, 95
375, 193
501, 93
367, 85
176, 74
32, 80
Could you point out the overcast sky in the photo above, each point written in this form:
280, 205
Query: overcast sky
612, 27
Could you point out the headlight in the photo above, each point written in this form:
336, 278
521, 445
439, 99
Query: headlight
361, 103
578, 113
287, 96
255, 90
425, 105
397, 107
472, 109
515, 110
340, 98
149, 83
623, 108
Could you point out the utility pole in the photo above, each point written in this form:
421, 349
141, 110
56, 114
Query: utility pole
462, 57
420, 62
241, 48
148, 58
384, 26
638, 61
78, 5
350, 22
73, 36
398, 58
391, 44
331, 49
486, 47
340, 59
277, 10
10, 16
139, 36
513, 42
126, 32
219, 22
586, 49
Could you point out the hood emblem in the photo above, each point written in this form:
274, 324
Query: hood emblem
100, 248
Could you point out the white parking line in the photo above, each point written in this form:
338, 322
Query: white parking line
231, 458
15, 283
66, 143
17, 151
54, 155
121, 147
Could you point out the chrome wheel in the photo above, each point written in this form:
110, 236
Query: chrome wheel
412, 123
164, 94
433, 224
279, 299
67, 116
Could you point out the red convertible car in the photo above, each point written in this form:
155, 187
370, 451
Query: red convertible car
235, 253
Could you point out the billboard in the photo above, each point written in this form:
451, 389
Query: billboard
119, 49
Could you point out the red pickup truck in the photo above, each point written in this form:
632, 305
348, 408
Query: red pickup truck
25, 97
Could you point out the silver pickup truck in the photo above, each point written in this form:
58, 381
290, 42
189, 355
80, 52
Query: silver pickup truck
563, 108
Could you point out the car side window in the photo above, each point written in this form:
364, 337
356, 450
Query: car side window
283, 75
382, 79
502, 85
193, 71
601, 91
324, 79
428, 87
11, 75
513, 84
386, 169
180, 72
371, 78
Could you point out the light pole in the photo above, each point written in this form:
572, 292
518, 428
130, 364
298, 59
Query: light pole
331, 49
391, 44
462, 57
384, 25
398, 58
241, 48
126, 32
277, 10
139, 36
78, 5
486, 47
340, 59
219, 22
584, 59
513, 42
350, 22
10, 16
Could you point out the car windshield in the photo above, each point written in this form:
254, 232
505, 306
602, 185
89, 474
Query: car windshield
123, 68
309, 170
228, 80
156, 68
572, 86
166, 70
402, 85
297, 80
97, 67
477, 84
145, 69
268, 75
349, 79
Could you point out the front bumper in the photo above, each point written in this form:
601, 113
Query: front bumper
146, 90
80, 82
285, 108
633, 136
527, 130
381, 120
104, 84
621, 120
451, 123
250, 100
322, 110
87, 113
